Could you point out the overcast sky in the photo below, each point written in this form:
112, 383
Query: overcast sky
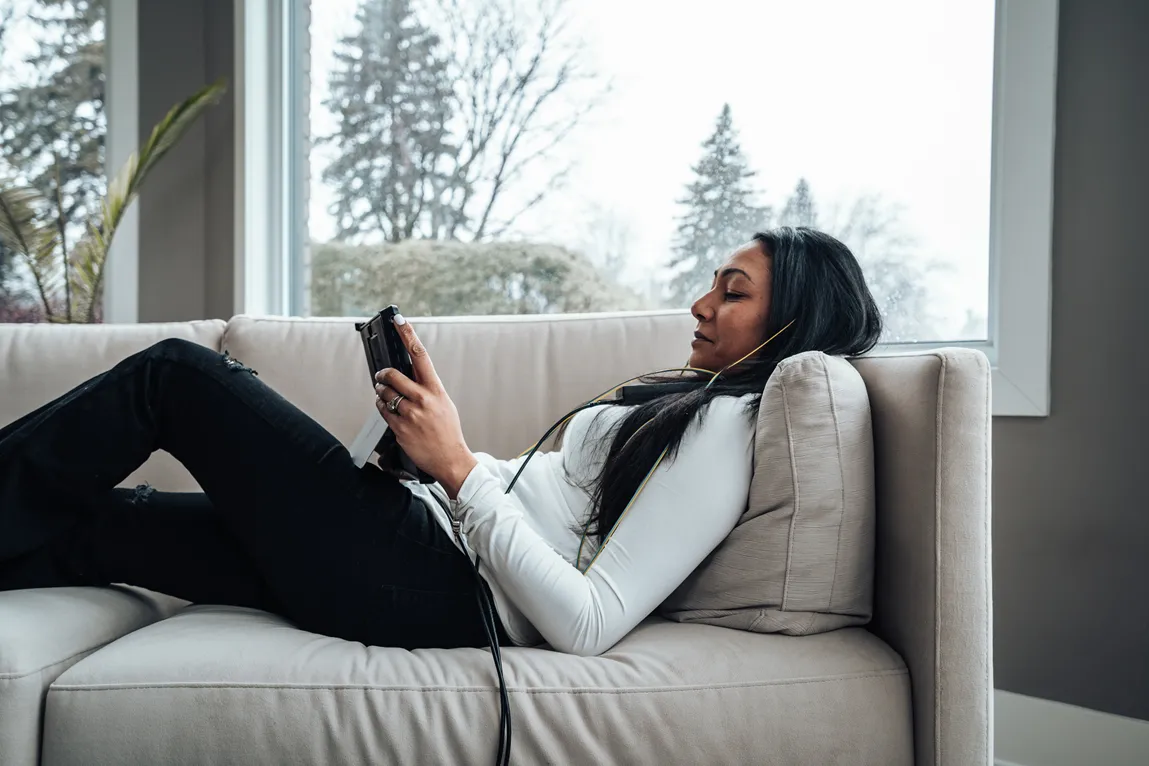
883, 96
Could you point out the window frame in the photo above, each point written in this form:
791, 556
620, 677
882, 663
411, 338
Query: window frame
272, 179
122, 112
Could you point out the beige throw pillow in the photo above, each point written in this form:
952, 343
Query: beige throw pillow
801, 559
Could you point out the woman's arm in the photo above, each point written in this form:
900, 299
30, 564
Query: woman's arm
686, 510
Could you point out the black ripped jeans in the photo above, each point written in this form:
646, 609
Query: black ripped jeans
285, 522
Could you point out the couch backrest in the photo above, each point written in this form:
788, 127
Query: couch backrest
510, 377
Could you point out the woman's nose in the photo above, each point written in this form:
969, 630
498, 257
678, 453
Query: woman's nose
699, 310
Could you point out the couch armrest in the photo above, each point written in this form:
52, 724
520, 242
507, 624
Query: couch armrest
932, 600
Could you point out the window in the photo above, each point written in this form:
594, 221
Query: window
53, 130
466, 158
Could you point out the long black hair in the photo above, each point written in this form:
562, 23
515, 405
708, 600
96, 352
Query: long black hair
818, 285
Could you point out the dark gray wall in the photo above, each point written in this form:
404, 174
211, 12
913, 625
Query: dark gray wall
1071, 492
186, 211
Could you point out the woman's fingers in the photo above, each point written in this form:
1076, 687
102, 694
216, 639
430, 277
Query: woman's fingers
384, 393
420, 360
389, 382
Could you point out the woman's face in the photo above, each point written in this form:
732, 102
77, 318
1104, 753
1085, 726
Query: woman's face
732, 315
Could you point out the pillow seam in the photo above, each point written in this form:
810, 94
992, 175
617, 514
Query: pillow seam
841, 483
786, 577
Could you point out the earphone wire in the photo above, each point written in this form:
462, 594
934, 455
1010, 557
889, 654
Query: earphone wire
486, 607
653, 468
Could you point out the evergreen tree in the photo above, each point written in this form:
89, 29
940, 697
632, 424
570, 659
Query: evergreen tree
52, 108
800, 209
874, 232
720, 215
59, 111
392, 98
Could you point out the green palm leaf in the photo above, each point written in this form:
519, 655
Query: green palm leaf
21, 230
92, 252
26, 227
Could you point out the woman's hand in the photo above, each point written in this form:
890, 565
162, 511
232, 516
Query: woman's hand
426, 424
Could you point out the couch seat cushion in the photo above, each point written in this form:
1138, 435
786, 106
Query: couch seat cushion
45, 631
231, 685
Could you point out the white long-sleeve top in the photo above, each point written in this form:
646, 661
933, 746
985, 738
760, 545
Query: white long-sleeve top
527, 541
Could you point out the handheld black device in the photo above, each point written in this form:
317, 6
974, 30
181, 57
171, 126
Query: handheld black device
384, 349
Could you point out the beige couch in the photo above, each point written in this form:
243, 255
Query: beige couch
123, 676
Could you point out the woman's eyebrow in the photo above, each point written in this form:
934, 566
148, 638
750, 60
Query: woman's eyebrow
732, 270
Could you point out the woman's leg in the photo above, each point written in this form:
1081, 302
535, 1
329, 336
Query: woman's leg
172, 542
327, 539
26, 530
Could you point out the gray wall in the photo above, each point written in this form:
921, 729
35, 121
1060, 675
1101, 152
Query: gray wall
187, 210
1071, 492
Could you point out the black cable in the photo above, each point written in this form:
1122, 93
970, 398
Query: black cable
487, 613
487, 609
540, 442
490, 627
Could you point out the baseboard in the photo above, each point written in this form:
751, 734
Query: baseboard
1034, 732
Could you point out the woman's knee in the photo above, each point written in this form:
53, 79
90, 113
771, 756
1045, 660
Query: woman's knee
171, 348
186, 351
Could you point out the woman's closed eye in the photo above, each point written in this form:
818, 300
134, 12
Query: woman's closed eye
734, 296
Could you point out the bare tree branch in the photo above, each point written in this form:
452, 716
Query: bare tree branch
510, 68
555, 182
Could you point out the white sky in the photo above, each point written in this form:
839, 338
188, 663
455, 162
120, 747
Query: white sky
886, 96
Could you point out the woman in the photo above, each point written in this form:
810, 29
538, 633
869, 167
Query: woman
287, 523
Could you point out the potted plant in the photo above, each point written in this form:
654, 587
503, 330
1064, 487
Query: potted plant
69, 281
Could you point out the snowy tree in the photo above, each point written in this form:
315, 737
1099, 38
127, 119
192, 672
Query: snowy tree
800, 209
721, 213
873, 231
522, 87
448, 113
51, 109
52, 104
392, 98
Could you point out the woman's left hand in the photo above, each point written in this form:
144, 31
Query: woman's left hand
426, 423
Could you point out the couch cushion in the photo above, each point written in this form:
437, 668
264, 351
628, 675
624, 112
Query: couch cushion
43, 633
230, 685
39, 362
801, 559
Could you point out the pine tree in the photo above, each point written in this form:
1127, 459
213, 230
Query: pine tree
392, 98
721, 213
52, 108
59, 112
800, 209
875, 234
